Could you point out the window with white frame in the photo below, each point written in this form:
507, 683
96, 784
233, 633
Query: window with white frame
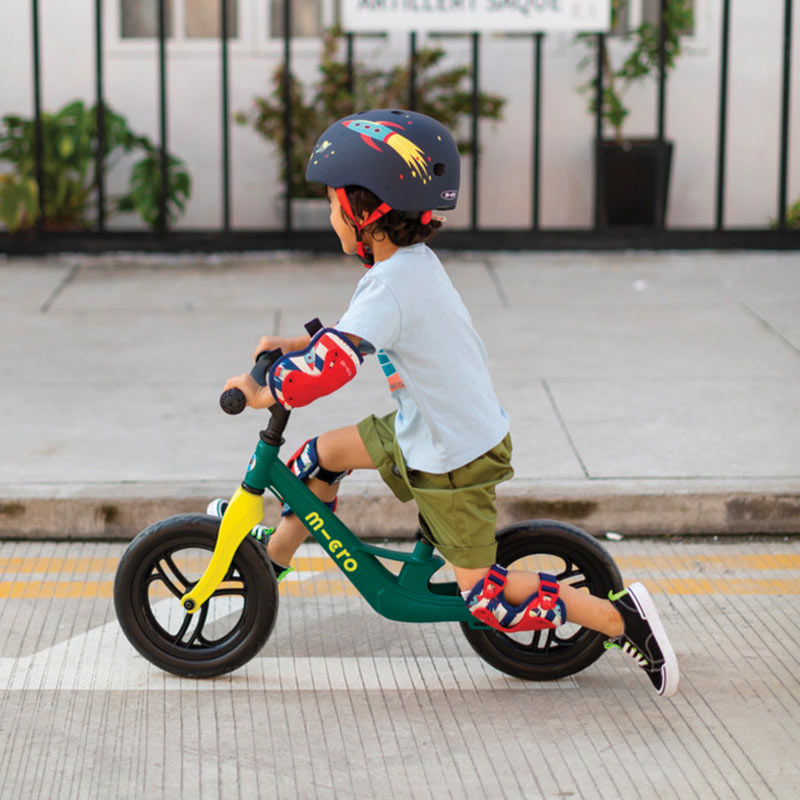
139, 18
201, 19
309, 17
184, 19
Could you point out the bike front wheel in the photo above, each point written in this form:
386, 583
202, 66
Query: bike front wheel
574, 557
163, 563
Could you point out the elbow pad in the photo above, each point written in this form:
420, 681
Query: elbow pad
328, 362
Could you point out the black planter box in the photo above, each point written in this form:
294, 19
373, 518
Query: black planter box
632, 182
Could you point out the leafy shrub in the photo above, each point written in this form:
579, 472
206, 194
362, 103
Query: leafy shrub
69, 170
445, 94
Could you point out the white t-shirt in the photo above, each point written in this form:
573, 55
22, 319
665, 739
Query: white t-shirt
409, 311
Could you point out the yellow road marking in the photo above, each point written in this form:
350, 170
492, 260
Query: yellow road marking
56, 566
338, 587
690, 562
108, 566
45, 590
60, 577
753, 561
722, 586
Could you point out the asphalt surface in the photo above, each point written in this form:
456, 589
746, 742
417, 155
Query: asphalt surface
341, 703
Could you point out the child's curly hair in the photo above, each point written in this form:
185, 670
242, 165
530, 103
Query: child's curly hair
402, 228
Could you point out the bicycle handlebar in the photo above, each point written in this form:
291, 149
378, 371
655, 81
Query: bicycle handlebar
232, 401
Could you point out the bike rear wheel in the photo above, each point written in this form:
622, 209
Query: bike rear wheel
574, 557
160, 565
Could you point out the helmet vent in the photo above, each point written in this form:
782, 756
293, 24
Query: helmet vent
438, 169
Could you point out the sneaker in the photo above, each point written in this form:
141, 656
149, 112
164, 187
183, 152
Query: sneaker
217, 508
644, 638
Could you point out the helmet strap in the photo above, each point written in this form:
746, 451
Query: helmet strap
366, 256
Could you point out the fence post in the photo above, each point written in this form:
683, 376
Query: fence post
99, 169
287, 111
787, 79
412, 71
351, 76
537, 127
722, 136
38, 146
598, 126
661, 172
162, 83
476, 105
226, 162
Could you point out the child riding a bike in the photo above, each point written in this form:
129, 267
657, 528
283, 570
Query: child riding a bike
447, 445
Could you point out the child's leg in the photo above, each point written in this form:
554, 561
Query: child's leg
338, 451
582, 608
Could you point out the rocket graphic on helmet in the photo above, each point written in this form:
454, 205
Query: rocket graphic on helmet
409, 160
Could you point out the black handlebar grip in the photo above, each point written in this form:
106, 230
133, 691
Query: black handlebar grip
232, 401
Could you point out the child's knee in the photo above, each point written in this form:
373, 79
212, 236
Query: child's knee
343, 450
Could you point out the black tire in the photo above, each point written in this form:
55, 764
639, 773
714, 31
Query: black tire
572, 556
156, 570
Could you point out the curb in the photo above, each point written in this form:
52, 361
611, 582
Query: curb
631, 508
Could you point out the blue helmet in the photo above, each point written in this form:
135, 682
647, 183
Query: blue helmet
409, 160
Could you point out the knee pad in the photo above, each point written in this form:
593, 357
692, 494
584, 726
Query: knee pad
543, 609
305, 464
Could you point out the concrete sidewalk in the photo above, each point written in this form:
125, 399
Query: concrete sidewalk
649, 393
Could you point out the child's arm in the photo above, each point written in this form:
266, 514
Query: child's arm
261, 396
292, 345
287, 345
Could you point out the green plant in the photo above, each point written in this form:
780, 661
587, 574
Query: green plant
640, 60
792, 217
441, 93
19, 201
144, 188
69, 146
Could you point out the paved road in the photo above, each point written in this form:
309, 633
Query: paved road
341, 703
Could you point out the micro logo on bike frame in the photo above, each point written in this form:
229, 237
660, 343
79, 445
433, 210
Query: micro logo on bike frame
337, 550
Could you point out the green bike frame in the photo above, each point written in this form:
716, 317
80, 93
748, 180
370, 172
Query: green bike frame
409, 596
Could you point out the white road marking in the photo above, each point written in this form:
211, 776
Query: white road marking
102, 660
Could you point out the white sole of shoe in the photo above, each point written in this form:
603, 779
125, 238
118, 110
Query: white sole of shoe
647, 608
213, 510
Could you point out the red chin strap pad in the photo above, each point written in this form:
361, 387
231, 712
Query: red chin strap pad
384, 208
326, 364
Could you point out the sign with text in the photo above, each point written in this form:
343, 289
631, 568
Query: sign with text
469, 16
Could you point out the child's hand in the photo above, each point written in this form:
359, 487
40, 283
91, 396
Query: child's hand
256, 396
275, 342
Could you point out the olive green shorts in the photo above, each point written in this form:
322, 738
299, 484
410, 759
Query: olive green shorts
456, 509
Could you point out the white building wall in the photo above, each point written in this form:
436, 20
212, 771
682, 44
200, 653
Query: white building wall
131, 87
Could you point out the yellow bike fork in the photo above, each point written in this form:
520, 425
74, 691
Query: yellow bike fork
244, 511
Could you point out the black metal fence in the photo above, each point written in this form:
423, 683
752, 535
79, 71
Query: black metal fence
533, 237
